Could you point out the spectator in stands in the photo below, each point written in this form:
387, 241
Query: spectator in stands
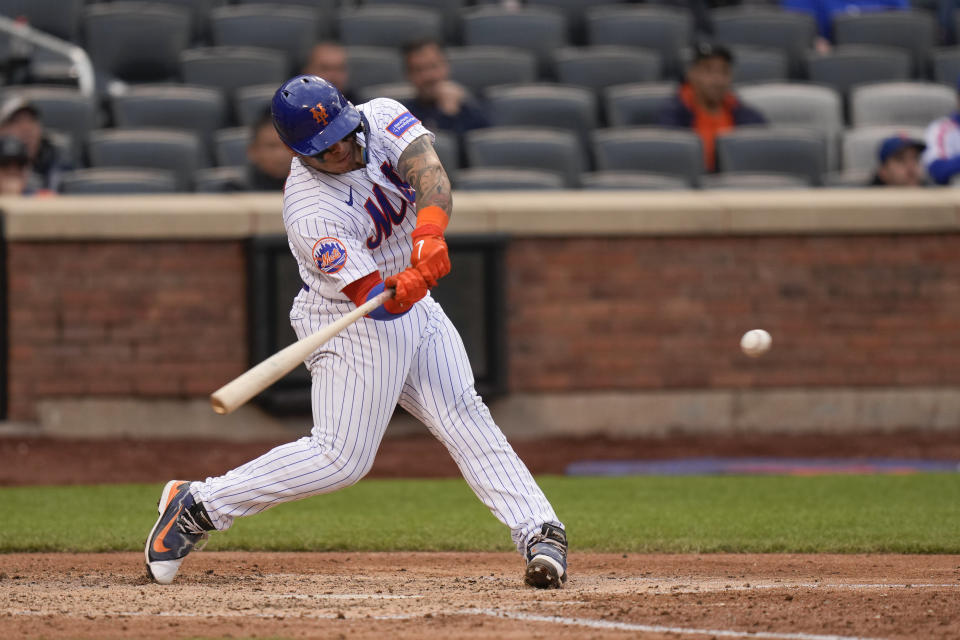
900, 164
705, 102
942, 156
823, 11
440, 103
14, 167
329, 61
268, 159
20, 119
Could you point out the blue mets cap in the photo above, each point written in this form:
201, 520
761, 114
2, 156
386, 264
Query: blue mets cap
896, 144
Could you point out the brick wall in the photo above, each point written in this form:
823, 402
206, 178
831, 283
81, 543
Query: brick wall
649, 313
137, 318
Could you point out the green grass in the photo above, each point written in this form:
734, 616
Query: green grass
909, 514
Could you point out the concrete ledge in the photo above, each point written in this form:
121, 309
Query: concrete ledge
565, 213
623, 414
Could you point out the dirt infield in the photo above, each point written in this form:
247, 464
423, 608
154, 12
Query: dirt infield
442, 595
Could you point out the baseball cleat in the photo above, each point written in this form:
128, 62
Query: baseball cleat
547, 558
182, 524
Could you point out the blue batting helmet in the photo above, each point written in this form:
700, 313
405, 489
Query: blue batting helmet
310, 114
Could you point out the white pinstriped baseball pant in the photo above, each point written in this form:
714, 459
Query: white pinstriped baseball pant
359, 377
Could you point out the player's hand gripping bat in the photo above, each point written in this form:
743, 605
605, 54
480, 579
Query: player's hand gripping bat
238, 391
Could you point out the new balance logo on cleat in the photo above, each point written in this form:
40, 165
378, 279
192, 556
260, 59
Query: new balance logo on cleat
546, 557
182, 524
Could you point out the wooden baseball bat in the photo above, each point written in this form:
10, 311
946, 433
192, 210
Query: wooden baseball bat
235, 393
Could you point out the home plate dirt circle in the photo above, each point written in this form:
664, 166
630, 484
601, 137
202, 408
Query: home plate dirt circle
478, 595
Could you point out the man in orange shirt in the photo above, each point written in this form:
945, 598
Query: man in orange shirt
706, 103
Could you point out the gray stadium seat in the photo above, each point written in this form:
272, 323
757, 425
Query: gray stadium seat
199, 15
661, 29
544, 105
535, 29
860, 145
374, 65
60, 18
61, 108
767, 27
388, 25
201, 109
946, 65
848, 65
449, 13
901, 103
230, 146
794, 151
118, 181
527, 148
402, 92
447, 147
637, 104
603, 66
575, 12
632, 180
176, 151
512, 179
753, 181
478, 68
849, 179
136, 41
804, 105
252, 101
325, 9
671, 152
753, 65
219, 179
229, 68
913, 31
288, 28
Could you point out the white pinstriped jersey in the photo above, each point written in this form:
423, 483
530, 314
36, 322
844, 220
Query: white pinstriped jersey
943, 140
342, 227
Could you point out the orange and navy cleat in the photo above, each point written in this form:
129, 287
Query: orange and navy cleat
182, 524
546, 557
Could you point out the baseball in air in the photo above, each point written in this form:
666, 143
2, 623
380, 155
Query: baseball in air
755, 342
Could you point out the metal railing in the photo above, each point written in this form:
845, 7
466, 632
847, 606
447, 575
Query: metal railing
76, 55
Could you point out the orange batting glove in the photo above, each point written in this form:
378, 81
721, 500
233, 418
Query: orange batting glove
410, 287
430, 255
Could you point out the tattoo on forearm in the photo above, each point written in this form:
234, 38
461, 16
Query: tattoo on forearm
421, 168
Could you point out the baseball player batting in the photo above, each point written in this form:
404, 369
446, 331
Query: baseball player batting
366, 198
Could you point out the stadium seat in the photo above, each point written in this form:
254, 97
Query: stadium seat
753, 181
527, 148
632, 180
544, 105
400, 91
946, 66
637, 104
661, 29
60, 18
288, 28
512, 179
671, 152
388, 25
804, 105
793, 151
860, 145
449, 13
478, 68
176, 151
199, 16
201, 109
538, 30
220, 179
901, 103
768, 27
575, 13
118, 181
61, 108
374, 65
847, 65
913, 31
230, 146
229, 68
602, 66
252, 101
447, 147
136, 41
752, 65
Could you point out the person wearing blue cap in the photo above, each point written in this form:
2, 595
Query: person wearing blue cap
942, 156
899, 163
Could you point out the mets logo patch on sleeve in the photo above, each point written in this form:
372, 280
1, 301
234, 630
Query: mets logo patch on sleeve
401, 123
330, 255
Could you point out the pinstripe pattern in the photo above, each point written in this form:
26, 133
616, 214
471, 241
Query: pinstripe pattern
359, 377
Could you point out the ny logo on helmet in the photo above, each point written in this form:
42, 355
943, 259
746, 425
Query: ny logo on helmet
320, 114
